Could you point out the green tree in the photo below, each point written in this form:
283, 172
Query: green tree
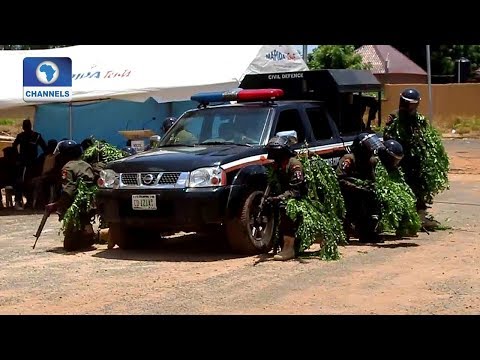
442, 56
336, 57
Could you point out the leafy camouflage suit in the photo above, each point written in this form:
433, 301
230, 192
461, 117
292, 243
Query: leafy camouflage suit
405, 128
356, 177
292, 184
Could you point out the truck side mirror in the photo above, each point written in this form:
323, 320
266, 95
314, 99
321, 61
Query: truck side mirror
154, 140
291, 135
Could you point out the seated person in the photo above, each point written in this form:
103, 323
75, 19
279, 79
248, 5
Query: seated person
7, 166
48, 177
227, 132
183, 136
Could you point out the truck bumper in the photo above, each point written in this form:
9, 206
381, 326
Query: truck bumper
177, 209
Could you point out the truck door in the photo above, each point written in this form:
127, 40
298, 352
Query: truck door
289, 118
326, 140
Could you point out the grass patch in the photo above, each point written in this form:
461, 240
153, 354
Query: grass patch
7, 122
463, 125
11, 127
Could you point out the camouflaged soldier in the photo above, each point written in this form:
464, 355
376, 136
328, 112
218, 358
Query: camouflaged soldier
74, 169
356, 176
401, 126
289, 171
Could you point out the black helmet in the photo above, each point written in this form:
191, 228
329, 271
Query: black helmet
68, 148
168, 123
411, 96
279, 147
409, 101
366, 144
130, 150
391, 154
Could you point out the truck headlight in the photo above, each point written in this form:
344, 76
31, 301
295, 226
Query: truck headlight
108, 179
208, 177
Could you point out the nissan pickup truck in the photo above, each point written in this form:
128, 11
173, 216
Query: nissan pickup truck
208, 172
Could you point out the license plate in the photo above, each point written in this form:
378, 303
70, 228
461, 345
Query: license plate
144, 202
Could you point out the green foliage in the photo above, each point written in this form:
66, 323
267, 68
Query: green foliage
7, 122
465, 125
82, 204
336, 57
425, 149
397, 201
321, 212
442, 56
101, 151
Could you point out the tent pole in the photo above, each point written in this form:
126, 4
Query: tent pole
305, 53
70, 121
429, 71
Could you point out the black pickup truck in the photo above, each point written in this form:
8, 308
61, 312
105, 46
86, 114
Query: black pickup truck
208, 172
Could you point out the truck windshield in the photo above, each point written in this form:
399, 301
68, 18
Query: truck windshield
240, 125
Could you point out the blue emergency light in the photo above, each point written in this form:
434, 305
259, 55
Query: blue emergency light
237, 95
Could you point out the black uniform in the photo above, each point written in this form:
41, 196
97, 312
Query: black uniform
73, 170
292, 185
363, 209
403, 128
29, 142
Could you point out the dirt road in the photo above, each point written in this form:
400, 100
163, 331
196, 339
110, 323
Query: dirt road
430, 274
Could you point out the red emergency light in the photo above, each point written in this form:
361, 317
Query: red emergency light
259, 94
238, 95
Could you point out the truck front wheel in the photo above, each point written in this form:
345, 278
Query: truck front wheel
248, 233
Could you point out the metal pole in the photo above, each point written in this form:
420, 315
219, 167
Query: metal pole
459, 62
429, 71
305, 53
70, 121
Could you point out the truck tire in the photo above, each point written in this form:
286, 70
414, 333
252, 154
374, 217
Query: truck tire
240, 228
120, 235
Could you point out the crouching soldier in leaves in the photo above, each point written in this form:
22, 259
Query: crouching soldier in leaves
391, 155
426, 162
356, 175
291, 180
73, 170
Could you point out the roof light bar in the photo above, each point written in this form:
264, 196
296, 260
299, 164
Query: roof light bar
238, 95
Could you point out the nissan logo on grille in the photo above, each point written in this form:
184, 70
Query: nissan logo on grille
148, 179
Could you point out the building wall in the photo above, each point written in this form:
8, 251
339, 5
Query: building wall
449, 100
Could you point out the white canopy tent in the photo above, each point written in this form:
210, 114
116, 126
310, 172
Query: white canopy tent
138, 72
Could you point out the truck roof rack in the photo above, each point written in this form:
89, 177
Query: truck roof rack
314, 84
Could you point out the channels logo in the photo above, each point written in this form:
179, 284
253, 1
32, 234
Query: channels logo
47, 79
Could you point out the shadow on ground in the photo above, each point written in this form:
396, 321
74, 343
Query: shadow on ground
389, 242
60, 250
188, 248
13, 212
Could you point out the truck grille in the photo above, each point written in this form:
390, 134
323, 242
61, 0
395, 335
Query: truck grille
129, 179
169, 178
154, 180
